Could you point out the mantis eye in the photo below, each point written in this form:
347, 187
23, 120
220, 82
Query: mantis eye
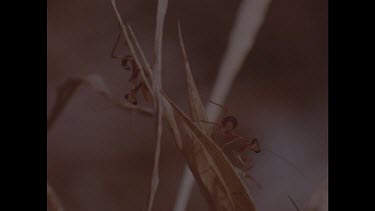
127, 62
125, 65
131, 100
255, 145
230, 120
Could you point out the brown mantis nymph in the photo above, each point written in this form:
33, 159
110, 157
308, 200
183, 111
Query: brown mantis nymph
128, 63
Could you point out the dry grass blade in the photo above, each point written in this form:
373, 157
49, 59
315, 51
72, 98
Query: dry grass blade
131, 47
64, 93
155, 170
66, 90
212, 170
197, 109
53, 202
145, 62
157, 87
171, 119
249, 18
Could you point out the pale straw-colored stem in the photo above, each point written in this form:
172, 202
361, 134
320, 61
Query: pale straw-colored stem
53, 202
157, 87
249, 18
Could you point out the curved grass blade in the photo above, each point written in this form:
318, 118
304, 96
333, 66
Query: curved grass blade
213, 171
197, 109
143, 57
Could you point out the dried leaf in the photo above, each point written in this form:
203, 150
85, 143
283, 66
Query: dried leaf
171, 119
145, 62
198, 113
213, 171
197, 109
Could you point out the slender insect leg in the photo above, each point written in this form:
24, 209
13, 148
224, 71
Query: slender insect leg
294, 203
203, 121
137, 87
290, 163
234, 139
135, 73
225, 109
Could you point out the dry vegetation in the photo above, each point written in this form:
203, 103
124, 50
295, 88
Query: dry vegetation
222, 183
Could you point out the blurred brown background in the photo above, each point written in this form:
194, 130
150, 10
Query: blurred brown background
100, 158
